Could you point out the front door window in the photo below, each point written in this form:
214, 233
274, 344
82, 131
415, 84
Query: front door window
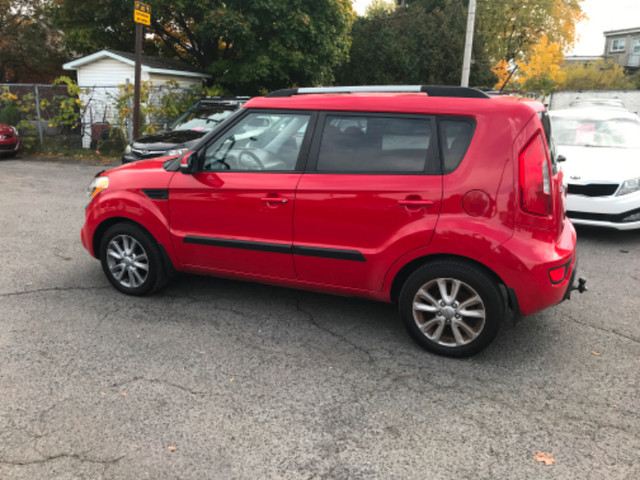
260, 141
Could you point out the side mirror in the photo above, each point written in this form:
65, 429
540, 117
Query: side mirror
188, 162
561, 158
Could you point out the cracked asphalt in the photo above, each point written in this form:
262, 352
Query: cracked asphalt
215, 379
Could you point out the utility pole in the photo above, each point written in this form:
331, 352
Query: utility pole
141, 16
468, 44
136, 82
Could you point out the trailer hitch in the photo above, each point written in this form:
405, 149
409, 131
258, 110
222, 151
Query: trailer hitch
582, 285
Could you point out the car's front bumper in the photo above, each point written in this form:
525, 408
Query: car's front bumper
9, 148
622, 213
130, 157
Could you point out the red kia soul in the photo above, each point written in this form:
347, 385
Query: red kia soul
444, 200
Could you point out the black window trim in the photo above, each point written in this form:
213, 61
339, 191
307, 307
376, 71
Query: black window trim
302, 154
547, 129
441, 142
321, 122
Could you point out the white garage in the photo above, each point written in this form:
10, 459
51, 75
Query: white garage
103, 71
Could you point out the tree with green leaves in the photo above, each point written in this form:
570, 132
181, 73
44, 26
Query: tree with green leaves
512, 28
30, 50
599, 75
249, 46
417, 45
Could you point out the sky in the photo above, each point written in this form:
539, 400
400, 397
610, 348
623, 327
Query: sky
604, 15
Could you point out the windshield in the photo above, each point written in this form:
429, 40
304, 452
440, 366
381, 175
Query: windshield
587, 132
202, 120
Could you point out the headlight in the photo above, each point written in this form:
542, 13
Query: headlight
15, 131
97, 185
177, 151
629, 186
127, 150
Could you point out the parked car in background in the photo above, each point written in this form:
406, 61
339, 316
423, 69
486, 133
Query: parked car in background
601, 165
184, 132
598, 102
10, 143
444, 200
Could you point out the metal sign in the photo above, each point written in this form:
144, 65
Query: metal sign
142, 13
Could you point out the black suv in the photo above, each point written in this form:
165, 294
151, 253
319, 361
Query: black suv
184, 132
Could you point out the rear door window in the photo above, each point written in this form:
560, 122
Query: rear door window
377, 144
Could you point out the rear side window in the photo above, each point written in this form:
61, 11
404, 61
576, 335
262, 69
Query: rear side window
376, 144
455, 137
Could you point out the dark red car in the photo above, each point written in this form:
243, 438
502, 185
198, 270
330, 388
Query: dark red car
443, 199
10, 143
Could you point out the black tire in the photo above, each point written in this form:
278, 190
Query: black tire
131, 259
446, 321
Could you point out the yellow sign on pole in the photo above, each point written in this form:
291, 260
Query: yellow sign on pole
142, 13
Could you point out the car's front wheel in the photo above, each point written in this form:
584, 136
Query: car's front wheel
451, 308
131, 260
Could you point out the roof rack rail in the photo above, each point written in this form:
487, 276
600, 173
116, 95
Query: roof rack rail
430, 90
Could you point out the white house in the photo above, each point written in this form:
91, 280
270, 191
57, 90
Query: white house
103, 71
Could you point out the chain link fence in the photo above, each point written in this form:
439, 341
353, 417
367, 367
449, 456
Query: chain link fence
105, 110
109, 107
38, 104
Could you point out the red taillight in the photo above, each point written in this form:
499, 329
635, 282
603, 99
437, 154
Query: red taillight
535, 179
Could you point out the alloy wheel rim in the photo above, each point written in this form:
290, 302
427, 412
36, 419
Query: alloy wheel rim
127, 261
449, 312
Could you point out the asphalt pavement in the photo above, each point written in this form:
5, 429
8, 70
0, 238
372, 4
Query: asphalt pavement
217, 379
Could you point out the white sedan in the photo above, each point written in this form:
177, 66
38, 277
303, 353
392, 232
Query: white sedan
601, 165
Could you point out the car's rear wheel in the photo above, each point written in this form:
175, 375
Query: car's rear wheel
451, 308
131, 259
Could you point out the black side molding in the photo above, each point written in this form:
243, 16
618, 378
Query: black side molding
239, 244
350, 255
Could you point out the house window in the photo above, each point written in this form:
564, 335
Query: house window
618, 45
636, 45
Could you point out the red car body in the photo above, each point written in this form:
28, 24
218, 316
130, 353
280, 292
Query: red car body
10, 143
357, 233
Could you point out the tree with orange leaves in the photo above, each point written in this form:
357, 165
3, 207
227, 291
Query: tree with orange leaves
543, 72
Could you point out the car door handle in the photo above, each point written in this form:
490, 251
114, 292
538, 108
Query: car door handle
415, 203
274, 200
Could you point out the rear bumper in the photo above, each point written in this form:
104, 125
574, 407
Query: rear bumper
525, 263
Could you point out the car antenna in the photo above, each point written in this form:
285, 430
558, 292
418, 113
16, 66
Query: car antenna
508, 78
